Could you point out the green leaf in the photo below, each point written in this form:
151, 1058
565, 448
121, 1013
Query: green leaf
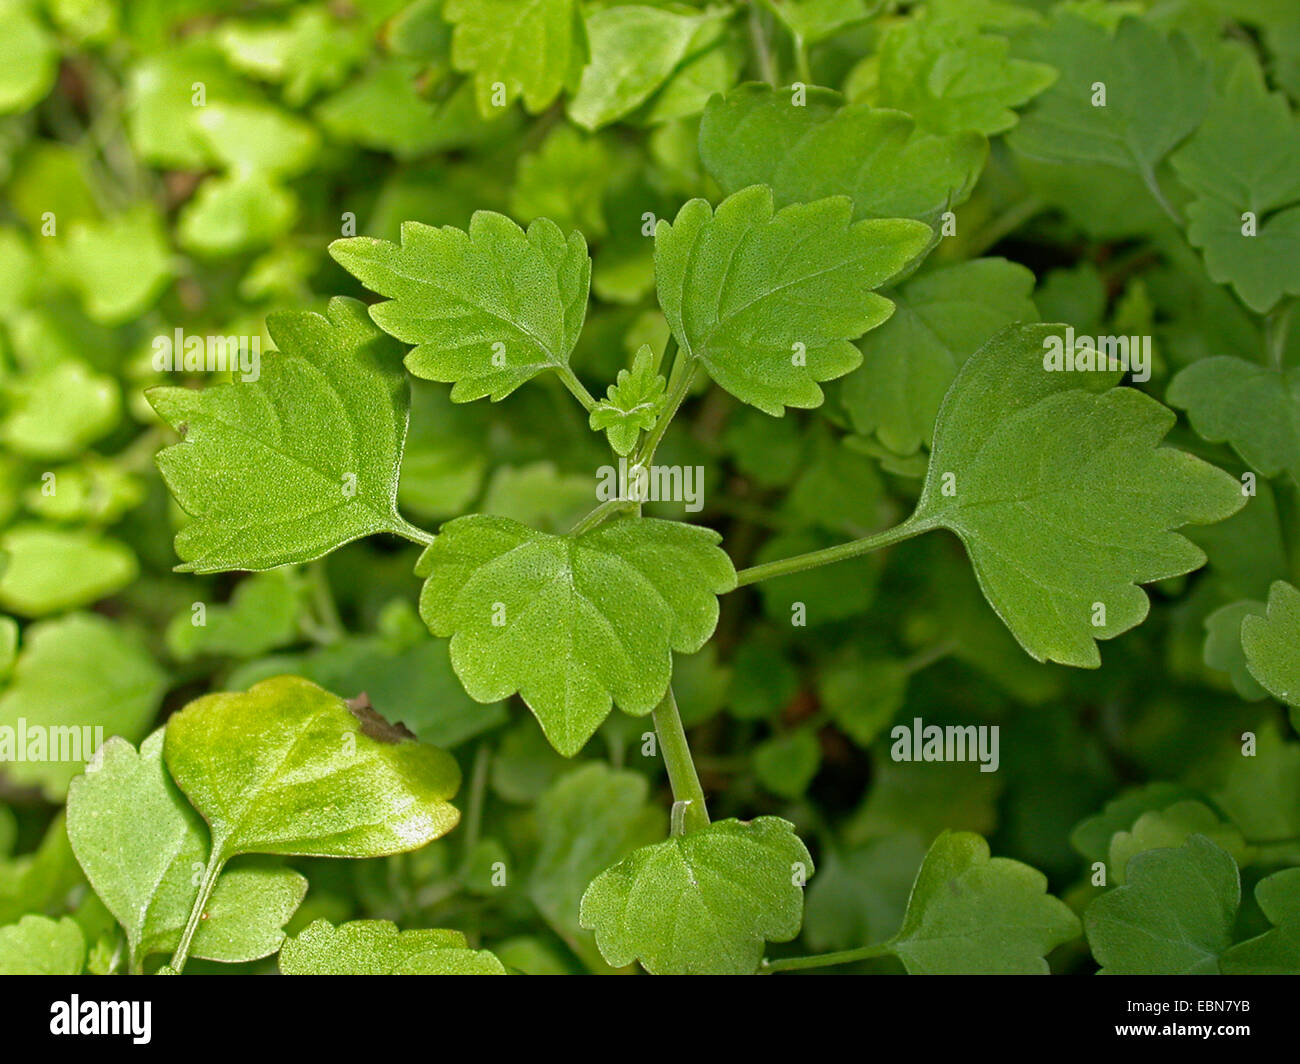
701, 903
1173, 917
860, 895
786, 764
233, 214
1091, 836
588, 819
1272, 644
488, 309
770, 302
38, 945
262, 614
118, 266
952, 80
815, 20
862, 695
1061, 540
288, 768
756, 135
634, 50
74, 675
1172, 826
566, 180
52, 569
632, 405
1254, 408
1276, 951
941, 319
1260, 790
376, 947
533, 52
972, 914
307, 52
29, 59
1136, 64
1223, 648
319, 437
141, 845
1244, 157
58, 409
572, 623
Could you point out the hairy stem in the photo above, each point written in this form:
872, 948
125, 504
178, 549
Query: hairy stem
842, 552
679, 384
206, 886
689, 810
824, 960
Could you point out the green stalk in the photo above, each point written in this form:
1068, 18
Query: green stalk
576, 386
689, 810
842, 552
206, 886
825, 960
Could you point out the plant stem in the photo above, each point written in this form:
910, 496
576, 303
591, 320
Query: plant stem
1153, 186
477, 792
322, 598
206, 885
689, 810
842, 552
407, 530
758, 40
576, 386
601, 514
1276, 327
679, 384
802, 70
825, 960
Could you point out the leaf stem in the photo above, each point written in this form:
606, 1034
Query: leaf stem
601, 514
576, 386
679, 384
1157, 193
689, 810
841, 552
824, 960
326, 610
1276, 327
802, 70
407, 530
206, 886
758, 40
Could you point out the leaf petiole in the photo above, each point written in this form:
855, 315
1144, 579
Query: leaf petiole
824, 960
576, 386
689, 810
841, 552
206, 885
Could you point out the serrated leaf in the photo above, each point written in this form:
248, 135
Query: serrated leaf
1172, 826
1173, 917
701, 903
1061, 540
1254, 408
1272, 644
38, 945
632, 405
534, 51
1245, 157
972, 914
769, 302
288, 768
1091, 836
376, 947
952, 80
488, 309
141, 845
573, 624
73, 675
941, 318
319, 438
1134, 65
1276, 951
261, 615
824, 147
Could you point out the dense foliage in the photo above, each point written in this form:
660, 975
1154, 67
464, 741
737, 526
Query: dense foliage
570, 486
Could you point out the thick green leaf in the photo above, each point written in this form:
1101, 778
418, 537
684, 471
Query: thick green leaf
288, 768
1173, 917
75, 675
376, 947
533, 51
318, 440
1272, 644
487, 309
1062, 496
941, 319
141, 846
770, 302
38, 945
972, 914
1276, 951
823, 147
572, 623
1135, 65
1254, 408
704, 902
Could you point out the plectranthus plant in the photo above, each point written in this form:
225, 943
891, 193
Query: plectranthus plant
730, 488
